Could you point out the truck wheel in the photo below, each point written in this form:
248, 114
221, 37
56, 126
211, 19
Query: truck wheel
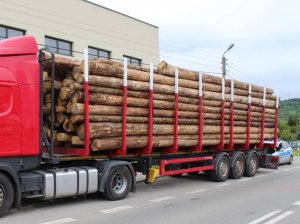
6, 194
251, 167
238, 166
118, 183
291, 160
222, 169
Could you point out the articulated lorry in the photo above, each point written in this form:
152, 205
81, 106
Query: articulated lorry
33, 166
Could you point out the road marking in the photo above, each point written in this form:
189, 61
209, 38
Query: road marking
256, 221
297, 203
195, 191
244, 179
162, 199
287, 169
280, 217
60, 221
277, 172
296, 167
262, 175
223, 185
117, 209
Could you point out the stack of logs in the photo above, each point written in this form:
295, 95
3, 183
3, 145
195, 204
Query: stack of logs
106, 100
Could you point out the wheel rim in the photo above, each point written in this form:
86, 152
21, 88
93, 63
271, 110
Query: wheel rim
253, 165
1, 195
223, 168
119, 183
291, 159
239, 166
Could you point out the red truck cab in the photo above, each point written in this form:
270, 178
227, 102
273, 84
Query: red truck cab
19, 97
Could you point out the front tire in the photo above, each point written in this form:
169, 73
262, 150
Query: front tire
6, 194
291, 160
118, 183
222, 169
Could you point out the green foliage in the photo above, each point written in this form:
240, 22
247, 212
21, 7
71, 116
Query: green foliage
289, 119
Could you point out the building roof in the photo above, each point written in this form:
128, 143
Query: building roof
149, 24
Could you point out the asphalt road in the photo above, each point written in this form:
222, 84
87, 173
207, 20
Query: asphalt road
272, 196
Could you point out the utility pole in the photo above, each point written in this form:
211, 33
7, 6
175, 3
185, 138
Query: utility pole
224, 61
223, 67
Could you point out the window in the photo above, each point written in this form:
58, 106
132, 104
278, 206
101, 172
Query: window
8, 32
98, 53
133, 61
59, 46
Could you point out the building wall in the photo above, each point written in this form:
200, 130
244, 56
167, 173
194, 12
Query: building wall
85, 24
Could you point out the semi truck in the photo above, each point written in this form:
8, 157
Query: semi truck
31, 167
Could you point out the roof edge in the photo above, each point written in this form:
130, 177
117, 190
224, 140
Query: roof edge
149, 24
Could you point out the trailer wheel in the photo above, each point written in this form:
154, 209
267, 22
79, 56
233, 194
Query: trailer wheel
222, 168
252, 165
118, 183
238, 166
6, 194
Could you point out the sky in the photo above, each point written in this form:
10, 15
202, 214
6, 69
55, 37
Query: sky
194, 34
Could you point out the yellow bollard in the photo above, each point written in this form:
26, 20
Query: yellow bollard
153, 173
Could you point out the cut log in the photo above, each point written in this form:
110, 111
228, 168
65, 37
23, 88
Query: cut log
75, 140
68, 126
100, 130
61, 64
134, 142
63, 137
47, 84
166, 69
61, 117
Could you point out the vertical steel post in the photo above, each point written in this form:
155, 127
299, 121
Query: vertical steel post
261, 144
86, 104
123, 149
200, 117
174, 148
148, 149
276, 122
247, 143
221, 145
230, 146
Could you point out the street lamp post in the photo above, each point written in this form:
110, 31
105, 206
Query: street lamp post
224, 61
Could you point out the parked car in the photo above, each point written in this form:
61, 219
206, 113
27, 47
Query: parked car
283, 150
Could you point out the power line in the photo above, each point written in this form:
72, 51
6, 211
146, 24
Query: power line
124, 47
187, 61
117, 37
121, 60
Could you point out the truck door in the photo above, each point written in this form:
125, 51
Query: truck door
10, 120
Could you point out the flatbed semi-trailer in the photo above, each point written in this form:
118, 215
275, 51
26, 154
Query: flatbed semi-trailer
32, 167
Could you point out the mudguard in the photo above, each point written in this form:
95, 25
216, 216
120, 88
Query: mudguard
104, 167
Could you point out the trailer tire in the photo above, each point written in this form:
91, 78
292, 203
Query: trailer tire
222, 169
238, 166
252, 165
6, 194
118, 183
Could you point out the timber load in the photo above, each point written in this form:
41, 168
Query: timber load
182, 109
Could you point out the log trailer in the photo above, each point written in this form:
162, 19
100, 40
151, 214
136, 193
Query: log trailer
32, 168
